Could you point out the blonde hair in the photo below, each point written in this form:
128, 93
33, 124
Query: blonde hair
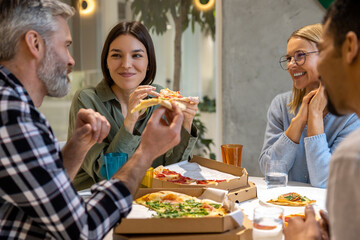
313, 34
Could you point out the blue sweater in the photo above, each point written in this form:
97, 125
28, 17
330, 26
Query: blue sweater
309, 160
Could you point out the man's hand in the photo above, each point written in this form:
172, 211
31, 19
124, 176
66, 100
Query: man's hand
90, 128
299, 229
324, 225
160, 136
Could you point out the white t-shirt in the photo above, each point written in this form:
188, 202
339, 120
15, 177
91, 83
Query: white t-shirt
343, 195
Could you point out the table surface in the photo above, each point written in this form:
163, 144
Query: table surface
249, 205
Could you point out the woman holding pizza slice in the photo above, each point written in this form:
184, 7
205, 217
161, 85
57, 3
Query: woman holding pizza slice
300, 130
129, 66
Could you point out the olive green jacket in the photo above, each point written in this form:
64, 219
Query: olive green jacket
101, 99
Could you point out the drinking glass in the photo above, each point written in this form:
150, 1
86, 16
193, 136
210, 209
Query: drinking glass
276, 173
112, 162
231, 154
268, 223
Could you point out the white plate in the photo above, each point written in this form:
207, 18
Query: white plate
312, 193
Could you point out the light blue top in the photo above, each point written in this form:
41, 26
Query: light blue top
309, 160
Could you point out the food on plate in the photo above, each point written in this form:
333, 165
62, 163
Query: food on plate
165, 174
291, 199
287, 217
169, 204
165, 98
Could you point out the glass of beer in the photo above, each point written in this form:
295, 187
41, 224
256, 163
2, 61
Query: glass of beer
231, 154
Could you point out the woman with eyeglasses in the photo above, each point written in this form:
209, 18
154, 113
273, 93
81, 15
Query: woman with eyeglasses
300, 130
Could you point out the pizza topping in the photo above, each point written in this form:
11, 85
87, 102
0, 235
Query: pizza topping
169, 204
291, 199
165, 174
165, 98
167, 94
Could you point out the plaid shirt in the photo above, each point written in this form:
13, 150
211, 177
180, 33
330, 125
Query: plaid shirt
37, 199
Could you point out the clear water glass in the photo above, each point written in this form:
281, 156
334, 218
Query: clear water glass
276, 174
268, 223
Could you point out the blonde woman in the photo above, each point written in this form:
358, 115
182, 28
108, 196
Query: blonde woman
300, 130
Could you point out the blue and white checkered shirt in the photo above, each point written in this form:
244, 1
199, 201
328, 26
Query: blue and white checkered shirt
37, 199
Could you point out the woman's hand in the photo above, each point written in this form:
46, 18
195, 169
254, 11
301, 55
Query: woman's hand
318, 103
298, 123
135, 97
317, 107
304, 109
189, 113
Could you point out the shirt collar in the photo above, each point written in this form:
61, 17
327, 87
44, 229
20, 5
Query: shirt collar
15, 84
104, 91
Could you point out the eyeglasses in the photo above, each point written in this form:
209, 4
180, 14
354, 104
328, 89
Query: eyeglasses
299, 58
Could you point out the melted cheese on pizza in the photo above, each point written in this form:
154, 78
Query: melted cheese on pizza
168, 204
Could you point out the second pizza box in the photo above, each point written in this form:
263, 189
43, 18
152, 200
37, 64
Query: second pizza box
240, 233
240, 181
178, 225
242, 194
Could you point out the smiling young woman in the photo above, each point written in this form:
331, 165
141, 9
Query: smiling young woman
128, 64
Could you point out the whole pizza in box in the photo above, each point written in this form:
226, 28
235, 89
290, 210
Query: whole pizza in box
186, 210
169, 204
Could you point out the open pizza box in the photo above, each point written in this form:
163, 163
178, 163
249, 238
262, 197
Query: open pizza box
134, 224
239, 179
237, 184
240, 233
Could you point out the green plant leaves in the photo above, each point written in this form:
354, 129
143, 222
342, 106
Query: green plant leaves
326, 3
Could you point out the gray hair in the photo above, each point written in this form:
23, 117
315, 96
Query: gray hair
20, 16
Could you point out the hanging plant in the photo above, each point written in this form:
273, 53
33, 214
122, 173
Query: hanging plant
326, 3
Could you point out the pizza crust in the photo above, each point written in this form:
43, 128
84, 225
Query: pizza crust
155, 101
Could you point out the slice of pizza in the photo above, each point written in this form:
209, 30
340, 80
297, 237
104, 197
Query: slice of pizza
291, 199
165, 174
164, 99
169, 204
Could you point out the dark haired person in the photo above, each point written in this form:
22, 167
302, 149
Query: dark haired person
128, 64
38, 200
339, 70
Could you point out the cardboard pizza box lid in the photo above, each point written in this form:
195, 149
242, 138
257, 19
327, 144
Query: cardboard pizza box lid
241, 181
175, 225
244, 193
240, 233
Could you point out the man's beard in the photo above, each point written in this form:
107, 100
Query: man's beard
53, 72
330, 106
